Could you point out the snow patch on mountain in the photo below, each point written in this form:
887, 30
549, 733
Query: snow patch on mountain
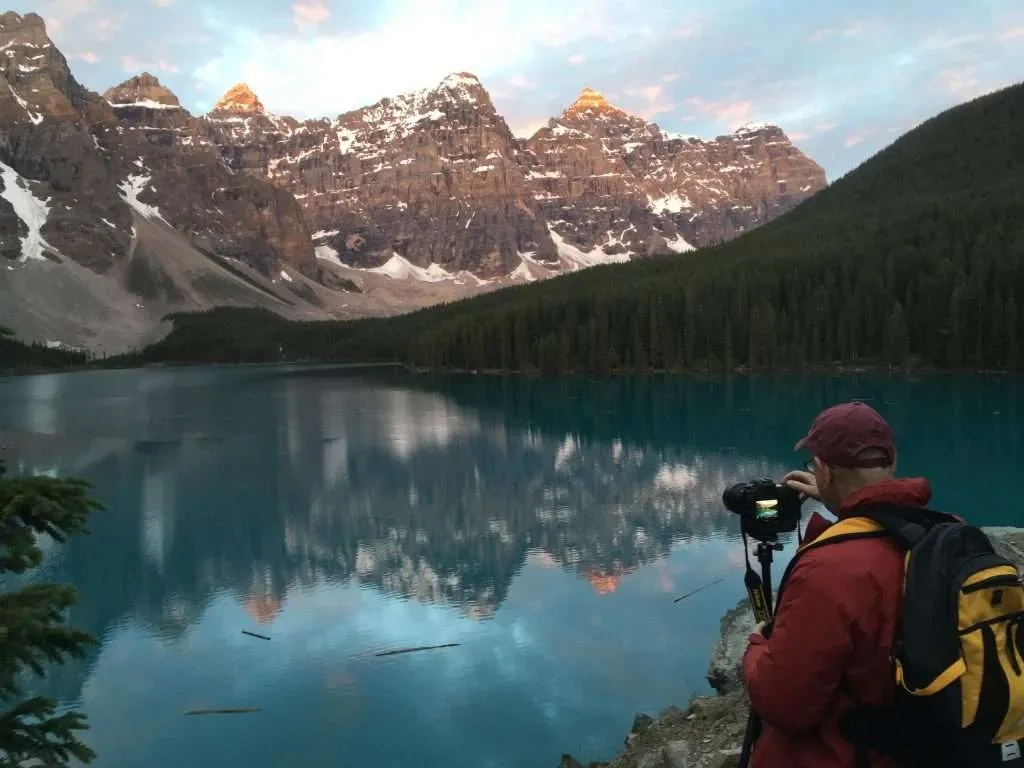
522, 272
679, 245
326, 253
578, 259
673, 203
32, 211
147, 103
35, 117
132, 187
754, 127
400, 268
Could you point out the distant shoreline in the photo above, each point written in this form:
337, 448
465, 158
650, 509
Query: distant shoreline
837, 369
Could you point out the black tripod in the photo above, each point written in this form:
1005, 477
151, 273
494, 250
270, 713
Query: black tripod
759, 588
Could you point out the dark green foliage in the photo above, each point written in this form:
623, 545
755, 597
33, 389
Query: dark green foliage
32, 631
915, 256
16, 356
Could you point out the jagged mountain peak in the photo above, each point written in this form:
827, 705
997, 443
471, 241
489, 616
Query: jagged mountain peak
589, 99
593, 104
142, 90
39, 83
24, 23
462, 86
240, 99
456, 79
757, 127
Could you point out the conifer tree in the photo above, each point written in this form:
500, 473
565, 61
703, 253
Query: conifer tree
32, 629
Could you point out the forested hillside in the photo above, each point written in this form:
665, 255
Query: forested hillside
917, 255
17, 357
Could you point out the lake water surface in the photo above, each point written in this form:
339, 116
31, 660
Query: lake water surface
544, 525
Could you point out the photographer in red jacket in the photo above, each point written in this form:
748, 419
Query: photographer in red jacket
836, 622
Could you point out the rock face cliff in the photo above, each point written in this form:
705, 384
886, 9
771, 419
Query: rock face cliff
611, 183
435, 178
429, 177
77, 166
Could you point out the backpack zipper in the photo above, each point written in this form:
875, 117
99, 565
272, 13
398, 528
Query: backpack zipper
1002, 580
1018, 615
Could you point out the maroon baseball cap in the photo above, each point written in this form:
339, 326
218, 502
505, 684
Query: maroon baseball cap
840, 435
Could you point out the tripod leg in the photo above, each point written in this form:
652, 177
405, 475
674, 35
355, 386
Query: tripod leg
749, 737
766, 612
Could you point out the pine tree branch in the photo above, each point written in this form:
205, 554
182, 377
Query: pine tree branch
30, 730
32, 631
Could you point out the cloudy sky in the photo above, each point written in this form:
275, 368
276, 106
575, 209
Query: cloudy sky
842, 78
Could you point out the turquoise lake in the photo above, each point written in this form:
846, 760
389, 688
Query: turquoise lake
543, 525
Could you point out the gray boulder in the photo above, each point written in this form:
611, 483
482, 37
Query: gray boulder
725, 671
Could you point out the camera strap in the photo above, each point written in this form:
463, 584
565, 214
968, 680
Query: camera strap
755, 587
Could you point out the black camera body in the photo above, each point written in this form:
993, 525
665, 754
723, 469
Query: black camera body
766, 508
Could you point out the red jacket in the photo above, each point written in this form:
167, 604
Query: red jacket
837, 616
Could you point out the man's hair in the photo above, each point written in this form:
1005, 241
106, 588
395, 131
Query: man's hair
879, 467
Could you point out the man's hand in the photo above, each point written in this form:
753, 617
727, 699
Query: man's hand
803, 482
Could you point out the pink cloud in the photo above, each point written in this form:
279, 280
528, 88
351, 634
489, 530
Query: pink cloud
944, 42
310, 13
131, 64
1013, 33
163, 3
733, 113
89, 57
854, 140
799, 136
687, 31
653, 96
856, 29
825, 127
105, 28
577, 58
958, 82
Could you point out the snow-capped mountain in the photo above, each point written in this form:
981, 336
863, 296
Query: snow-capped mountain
118, 209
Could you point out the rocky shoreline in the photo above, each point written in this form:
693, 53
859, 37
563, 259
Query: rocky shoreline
708, 733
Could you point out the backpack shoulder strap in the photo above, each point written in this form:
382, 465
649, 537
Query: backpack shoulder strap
907, 525
843, 530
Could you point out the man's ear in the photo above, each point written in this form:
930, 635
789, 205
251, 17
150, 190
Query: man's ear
825, 471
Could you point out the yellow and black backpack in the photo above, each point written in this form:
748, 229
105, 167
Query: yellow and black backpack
958, 658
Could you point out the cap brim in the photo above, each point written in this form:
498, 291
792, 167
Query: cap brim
801, 443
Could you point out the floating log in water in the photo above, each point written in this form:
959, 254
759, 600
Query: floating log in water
253, 634
419, 648
228, 711
698, 589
